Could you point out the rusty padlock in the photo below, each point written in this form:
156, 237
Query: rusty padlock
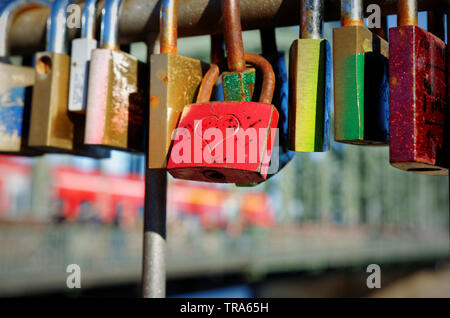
15, 86
116, 104
174, 81
80, 59
361, 86
239, 81
418, 95
310, 82
245, 129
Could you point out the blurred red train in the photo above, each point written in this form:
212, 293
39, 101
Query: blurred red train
93, 196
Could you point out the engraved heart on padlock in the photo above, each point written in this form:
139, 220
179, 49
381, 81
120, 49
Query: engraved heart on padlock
222, 123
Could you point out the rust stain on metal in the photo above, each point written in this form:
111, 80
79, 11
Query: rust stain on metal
207, 85
169, 26
268, 85
407, 12
154, 101
233, 35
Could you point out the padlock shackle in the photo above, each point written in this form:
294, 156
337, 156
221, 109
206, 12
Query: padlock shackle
109, 32
407, 13
168, 26
233, 35
207, 85
352, 13
311, 19
268, 42
88, 19
268, 85
56, 27
8, 13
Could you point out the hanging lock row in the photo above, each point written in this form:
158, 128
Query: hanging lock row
101, 106
382, 95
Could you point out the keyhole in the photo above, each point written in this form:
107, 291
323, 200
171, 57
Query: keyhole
215, 175
43, 65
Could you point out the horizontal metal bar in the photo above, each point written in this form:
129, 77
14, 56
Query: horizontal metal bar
196, 17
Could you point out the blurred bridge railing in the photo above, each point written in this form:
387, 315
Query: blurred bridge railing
34, 259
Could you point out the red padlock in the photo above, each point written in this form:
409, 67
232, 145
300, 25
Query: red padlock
229, 141
418, 103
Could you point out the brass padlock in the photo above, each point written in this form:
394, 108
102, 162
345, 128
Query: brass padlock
80, 59
310, 83
174, 81
50, 125
115, 114
15, 86
361, 86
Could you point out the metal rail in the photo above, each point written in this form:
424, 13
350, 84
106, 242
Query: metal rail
196, 17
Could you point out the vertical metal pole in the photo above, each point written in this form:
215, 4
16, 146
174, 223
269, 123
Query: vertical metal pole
154, 245
154, 252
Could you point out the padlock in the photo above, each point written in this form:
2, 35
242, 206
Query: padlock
310, 83
116, 106
280, 98
174, 81
50, 125
80, 59
418, 96
15, 87
245, 129
281, 155
361, 86
239, 82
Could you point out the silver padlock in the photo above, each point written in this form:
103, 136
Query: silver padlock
80, 58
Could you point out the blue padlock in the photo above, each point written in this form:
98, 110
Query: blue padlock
15, 86
280, 100
281, 155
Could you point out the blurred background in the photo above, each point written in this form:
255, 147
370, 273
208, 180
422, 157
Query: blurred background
310, 231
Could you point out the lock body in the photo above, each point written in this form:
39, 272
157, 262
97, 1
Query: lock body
115, 114
50, 125
418, 104
174, 83
15, 106
239, 151
309, 112
361, 86
239, 86
79, 73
